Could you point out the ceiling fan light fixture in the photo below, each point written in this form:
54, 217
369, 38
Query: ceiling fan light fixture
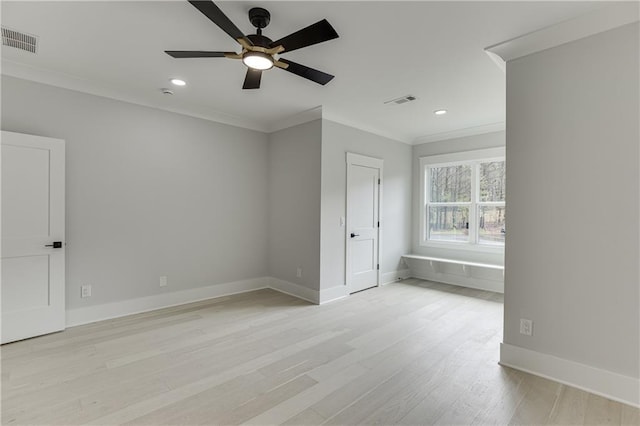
260, 53
258, 60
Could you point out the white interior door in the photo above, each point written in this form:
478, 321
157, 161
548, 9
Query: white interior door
33, 253
364, 175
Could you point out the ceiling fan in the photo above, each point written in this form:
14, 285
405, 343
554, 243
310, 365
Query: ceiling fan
259, 53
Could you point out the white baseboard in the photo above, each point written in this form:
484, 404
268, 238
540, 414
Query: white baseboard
459, 280
605, 383
122, 308
295, 290
334, 293
393, 276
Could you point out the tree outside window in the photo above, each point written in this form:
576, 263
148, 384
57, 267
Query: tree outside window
465, 202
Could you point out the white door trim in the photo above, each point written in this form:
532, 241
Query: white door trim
375, 163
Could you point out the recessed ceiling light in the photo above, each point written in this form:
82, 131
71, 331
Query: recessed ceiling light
440, 112
178, 82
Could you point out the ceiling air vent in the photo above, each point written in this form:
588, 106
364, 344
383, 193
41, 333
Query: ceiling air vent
19, 40
401, 100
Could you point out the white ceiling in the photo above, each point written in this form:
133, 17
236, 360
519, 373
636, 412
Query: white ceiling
432, 50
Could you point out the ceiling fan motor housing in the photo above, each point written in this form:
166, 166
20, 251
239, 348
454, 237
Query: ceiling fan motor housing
259, 17
259, 40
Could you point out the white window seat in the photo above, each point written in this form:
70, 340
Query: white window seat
474, 274
454, 261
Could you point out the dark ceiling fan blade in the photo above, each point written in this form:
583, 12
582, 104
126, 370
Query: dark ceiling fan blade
306, 72
252, 79
217, 16
313, 34
197, 54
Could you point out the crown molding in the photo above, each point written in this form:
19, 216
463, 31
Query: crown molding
356, 125
71, 82
296, 119
606, 18
460, 133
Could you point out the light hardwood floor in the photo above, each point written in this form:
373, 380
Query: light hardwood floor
413, 352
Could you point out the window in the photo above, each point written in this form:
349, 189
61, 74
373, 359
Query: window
463, 198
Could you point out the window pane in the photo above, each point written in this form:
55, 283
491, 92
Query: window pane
450, 184
492, 225
449, 223
492, 181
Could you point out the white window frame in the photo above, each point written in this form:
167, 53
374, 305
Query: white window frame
458, 158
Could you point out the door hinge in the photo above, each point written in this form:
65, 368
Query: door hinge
378, 181
378, 266
378, 224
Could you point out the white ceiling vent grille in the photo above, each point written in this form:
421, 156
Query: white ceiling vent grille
19, 40
401, 100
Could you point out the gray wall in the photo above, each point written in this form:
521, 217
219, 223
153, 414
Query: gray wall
467, 143
149, 193
294, 204
337, 140
573, 160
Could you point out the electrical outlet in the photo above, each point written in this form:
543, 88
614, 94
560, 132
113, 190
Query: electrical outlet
163, 281
85, 291
299, 272
526, 327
